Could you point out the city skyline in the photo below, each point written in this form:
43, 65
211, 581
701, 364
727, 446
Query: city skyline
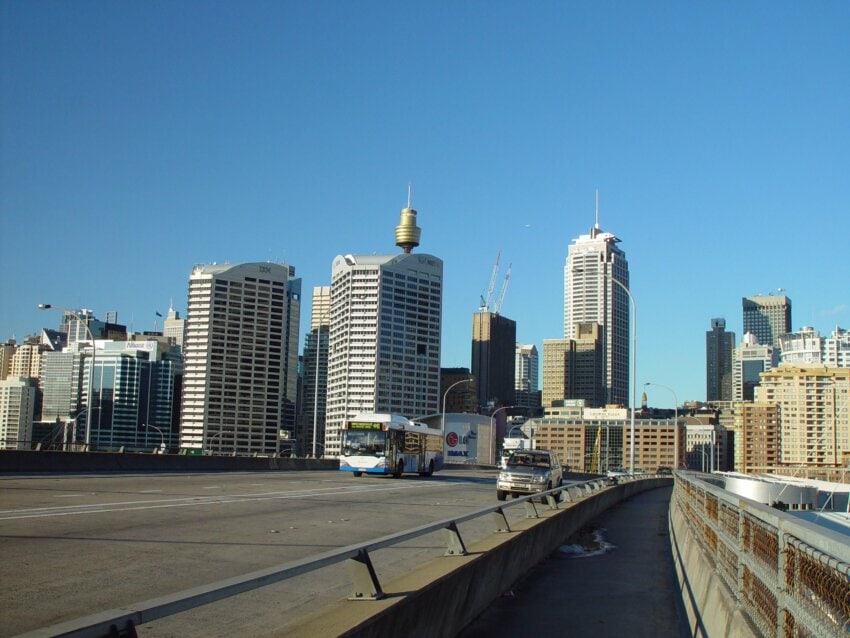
141, 141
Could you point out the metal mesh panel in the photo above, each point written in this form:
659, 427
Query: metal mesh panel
759, 602
819, 584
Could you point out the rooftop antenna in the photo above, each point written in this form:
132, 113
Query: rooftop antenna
596, 226
409, 186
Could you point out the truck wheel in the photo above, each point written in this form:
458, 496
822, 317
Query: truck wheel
548, 487
501, 495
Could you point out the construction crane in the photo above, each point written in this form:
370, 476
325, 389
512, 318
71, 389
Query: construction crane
485, 303
498, 305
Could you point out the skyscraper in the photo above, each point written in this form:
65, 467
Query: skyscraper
385, 330
719, 353
241, 357
315, 365
573, 368
17, 407
596, 277
751, 359
133, 403
526, 376
174, 327
768, 317
493, 357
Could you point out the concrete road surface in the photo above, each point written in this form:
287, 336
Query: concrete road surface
74, 545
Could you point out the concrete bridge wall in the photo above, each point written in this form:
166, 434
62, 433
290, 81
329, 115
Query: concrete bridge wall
448, 593
31, 462
712, 609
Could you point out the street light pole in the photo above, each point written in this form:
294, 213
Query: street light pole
161, 437
89, 407
492, 432
634, 369
634, 361
443, 417
675, 400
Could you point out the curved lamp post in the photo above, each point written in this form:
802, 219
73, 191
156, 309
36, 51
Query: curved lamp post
75, 314
675, 399
161, 437
492, 433
634, 368
443, 413
634, 363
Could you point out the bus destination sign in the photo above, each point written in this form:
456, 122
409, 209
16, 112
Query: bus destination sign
364, 425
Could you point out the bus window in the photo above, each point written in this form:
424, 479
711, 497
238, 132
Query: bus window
364, 442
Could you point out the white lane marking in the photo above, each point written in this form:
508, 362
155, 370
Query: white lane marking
67, 495
70, 510
150, 491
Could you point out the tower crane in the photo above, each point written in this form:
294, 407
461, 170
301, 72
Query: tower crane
485, 303
498, 305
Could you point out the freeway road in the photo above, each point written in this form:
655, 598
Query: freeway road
73, 545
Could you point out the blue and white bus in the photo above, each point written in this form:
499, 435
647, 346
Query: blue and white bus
389, 444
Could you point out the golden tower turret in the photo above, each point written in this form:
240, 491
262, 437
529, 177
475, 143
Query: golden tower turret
407, 232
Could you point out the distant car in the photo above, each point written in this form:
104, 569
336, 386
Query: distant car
664, 471
529, 472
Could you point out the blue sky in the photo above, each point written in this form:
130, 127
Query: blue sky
139, 139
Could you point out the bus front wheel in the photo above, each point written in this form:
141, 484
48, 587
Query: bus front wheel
358, 473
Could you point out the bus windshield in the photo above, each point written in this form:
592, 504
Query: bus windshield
364, 442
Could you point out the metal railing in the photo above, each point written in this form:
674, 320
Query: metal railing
364, 579
789, 577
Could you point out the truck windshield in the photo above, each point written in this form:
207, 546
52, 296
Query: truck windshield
528, 460
364, 443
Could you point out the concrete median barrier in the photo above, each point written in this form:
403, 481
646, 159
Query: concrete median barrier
446, 594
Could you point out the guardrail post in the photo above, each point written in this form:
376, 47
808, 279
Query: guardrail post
363, 577
501, 521
530, 509
552, 500
454, 541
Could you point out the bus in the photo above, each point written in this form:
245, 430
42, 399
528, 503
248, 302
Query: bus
389, 444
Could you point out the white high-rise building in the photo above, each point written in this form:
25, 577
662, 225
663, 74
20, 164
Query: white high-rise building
526, 368
385, 330
241, 357
806, 345
17, 408
595, 275
751, 359
174, 327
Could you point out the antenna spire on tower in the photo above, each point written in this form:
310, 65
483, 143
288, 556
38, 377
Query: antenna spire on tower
407, 232
596, 225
